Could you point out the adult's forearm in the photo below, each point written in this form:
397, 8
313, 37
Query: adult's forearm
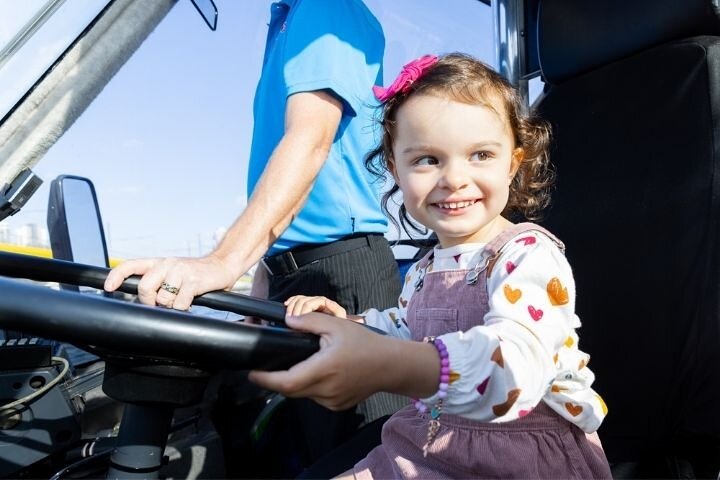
278, 197
311, 122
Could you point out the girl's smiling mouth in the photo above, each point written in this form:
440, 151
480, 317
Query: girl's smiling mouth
454, 206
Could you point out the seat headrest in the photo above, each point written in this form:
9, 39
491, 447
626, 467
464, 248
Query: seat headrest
575, 36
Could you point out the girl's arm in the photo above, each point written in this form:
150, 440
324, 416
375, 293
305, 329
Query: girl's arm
502, 369
392, 320
353, 363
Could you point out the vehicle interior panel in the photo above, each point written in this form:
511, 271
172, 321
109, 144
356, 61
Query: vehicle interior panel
636, 201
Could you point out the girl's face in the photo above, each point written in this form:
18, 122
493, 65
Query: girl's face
454, 163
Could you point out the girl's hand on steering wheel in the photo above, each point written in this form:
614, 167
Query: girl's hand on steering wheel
300, 304
347, 368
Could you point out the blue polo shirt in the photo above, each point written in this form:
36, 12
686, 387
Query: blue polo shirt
337, 46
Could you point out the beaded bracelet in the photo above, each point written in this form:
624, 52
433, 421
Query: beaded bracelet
436, 411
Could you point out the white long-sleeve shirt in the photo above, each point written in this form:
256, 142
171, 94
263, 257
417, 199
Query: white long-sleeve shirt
526, 351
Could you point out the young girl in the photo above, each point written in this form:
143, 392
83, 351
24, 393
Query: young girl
483, 337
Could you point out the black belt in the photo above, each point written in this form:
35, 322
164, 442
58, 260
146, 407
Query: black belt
291, 261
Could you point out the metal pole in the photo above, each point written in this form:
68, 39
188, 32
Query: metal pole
141, 442
509, 43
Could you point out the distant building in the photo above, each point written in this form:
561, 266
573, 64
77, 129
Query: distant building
30, 235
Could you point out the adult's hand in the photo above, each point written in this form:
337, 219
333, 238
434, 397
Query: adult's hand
173, 282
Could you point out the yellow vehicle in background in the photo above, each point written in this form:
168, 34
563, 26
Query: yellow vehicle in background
25, 250
41, 252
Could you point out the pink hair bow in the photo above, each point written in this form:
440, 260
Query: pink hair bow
409, 74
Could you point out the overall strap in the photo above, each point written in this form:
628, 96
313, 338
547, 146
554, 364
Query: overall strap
425, 260
495, 246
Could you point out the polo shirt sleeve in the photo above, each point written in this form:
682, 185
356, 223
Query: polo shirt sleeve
333, 45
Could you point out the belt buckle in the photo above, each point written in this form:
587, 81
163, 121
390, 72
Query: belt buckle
288, 261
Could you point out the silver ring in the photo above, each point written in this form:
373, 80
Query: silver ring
169, 288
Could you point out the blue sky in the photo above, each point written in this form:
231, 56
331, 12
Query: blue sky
166, 142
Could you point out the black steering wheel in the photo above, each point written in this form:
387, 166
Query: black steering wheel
155, 359
131, 331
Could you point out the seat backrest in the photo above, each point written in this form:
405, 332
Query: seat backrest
633, 95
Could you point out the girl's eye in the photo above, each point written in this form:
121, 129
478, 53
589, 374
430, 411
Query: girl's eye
426, 160
480, 156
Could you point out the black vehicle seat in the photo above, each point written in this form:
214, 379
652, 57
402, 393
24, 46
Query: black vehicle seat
633, 95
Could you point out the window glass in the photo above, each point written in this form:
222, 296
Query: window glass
417, 27
33, 34
166, 142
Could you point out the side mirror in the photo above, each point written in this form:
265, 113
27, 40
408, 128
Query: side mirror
74, 223
208, 10
76, 234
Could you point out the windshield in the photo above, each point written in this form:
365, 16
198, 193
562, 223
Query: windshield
166, 141
33, 34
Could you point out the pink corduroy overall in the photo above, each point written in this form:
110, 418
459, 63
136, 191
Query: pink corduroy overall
539, 445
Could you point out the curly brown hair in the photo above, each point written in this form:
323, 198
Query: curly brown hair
462, 78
